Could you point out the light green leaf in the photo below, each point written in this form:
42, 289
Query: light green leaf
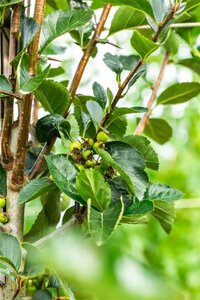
191, 63
28, 83
7, 268
165, 214
5, 85
53, 96
143, 145
95, 112
140, 208
69, 130
64, 174
5, 3
35, 188
172, 43
191, 4
162, 192
159, 9
143, 45
113, 63
101, 225
159, 130
10, 249
34, 262
91, 184
141, 5
121, 111
61, 22
126, 18
179, 93
129, 163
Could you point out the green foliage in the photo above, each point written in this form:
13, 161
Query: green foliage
10, 250
142, 45
5, 85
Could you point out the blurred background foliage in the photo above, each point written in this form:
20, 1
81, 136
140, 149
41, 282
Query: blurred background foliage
141, 261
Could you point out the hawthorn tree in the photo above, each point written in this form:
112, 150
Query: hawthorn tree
103, 171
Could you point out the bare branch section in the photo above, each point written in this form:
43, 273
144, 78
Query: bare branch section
143, 122
6, 153
17, 176
75, 84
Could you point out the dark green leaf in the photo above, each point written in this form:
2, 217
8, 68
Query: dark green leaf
165, 214
129, 163
5, 85
121, 111
56, 72
100, 94
191, 4
126, 18
28, 83
43, 294
64, 174
60, 22
35, 188
91, 184
179, 93
29, 30
191, 63
143, 45
53, 96
69, 130
3, 180
113, 63
95, 112
101, 225
34, 262
143, 145
52, 207
159, 130
140, 208
141, 71
119, 189
10, 249
128, 61
162, 192
172, 43
68, 214
142, 5
47, 127
118, 127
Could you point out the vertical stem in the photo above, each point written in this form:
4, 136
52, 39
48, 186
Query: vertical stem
143, 122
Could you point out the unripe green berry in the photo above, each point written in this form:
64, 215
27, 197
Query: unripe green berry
98, 145
102, 136
51, 178
90, 163
3, 218
80, 167
87, 154
75, 146
2, 202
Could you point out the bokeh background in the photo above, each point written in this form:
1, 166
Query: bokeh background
140, 261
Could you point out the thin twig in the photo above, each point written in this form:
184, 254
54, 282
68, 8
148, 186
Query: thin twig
143, 122
18, 97
172, 26
74, 85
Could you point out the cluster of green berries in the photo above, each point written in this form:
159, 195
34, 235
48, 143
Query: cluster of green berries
3, 215
83, 152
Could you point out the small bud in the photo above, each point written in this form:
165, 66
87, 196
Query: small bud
75, 146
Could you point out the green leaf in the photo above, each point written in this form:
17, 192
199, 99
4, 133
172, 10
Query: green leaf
43, 294
126, 18
191, 4
47, 127
7, 268
113, 63
191, 63
52, 207
5, 3
69, 130
162, 192
119, 189
100, 94
61, 22
159, 130
128, 61
91, 184
143, 45
159, 9
34, 262
117, 128
141, 71
101, 225
121, 111
140, 208
35, 188
165, 214
5, 85
28, 83
172, 43
129, 163
53, 96
3, 180
95, 112
143, 145
142, 5
179, 93
10, 249
64, 174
